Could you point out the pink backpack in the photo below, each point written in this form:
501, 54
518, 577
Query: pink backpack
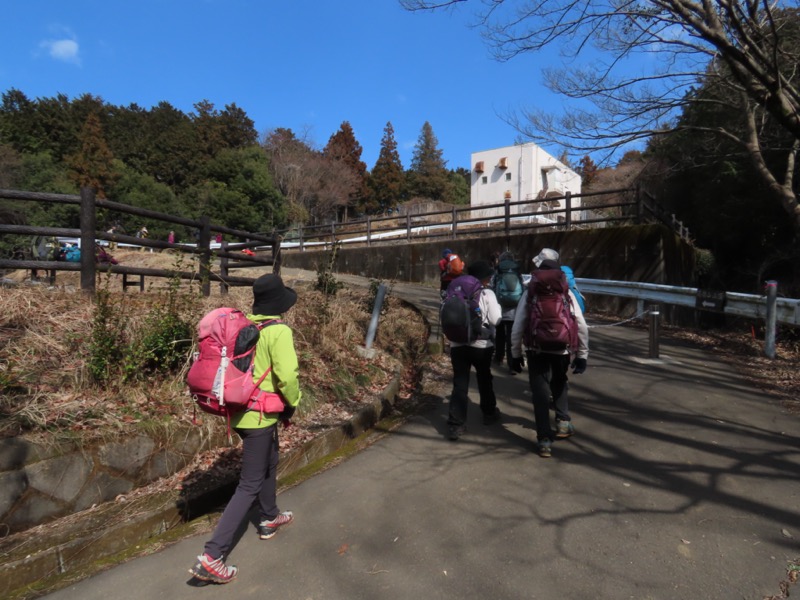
221, 378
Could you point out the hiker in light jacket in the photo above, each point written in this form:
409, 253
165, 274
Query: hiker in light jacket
259, 433
547, 371
477, 354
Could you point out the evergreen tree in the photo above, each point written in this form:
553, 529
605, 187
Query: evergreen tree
343, 148
245, 171
10, 165
92, 166
459, 186
238, 130
174, 151
587, 169
206, 124
428, 176
387, 179
19, 126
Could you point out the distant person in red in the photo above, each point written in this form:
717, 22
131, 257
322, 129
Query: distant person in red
171, 237
450, 267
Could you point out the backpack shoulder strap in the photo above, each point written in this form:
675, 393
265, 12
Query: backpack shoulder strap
261, 326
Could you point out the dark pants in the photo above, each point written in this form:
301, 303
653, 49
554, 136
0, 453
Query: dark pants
547, 374
502, 342
463, 358
257, 481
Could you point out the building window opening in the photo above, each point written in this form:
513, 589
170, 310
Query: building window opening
508, 176
484, 179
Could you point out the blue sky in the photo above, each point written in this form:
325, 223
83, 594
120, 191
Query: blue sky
307, 66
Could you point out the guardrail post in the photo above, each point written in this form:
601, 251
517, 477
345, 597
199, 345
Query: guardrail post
369, 231
408, 227
88, 228
455, 221
204, 245
654, 330
376, 313
507, 219
772, 316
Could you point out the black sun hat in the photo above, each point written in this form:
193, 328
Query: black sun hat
480, 269
271, 297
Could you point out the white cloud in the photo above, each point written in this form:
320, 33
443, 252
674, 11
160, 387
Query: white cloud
66, 50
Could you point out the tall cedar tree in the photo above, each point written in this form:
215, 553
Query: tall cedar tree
387, 179
92, 165
428, 176
587, 169
343, 148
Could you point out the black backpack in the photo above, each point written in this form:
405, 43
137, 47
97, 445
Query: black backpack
460, 313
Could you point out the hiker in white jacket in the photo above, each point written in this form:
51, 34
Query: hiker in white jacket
547, 370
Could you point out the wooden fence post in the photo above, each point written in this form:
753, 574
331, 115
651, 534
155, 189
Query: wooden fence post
88, 221
408, 227
454, 223
204, 246
639, 205
507, 220
223, 268
568, 206
276, 253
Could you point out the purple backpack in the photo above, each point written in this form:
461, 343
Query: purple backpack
551, 319
460, 313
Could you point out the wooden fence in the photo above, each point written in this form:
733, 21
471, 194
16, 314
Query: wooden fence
603, 208
229, 254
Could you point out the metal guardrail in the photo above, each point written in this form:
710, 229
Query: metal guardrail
768, 307
787, 310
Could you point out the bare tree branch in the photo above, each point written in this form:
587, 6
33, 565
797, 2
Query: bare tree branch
733, 45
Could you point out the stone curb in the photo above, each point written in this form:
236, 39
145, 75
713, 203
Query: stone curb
87, 537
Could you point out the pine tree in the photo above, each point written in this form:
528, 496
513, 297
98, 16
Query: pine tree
428, 176
91, 166
387, 179
587, 169
343, 147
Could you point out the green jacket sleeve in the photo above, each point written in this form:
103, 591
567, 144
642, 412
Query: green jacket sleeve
276, 349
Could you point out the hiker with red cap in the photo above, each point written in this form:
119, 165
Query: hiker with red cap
450, 267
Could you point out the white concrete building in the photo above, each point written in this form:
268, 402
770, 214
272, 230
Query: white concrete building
519, 173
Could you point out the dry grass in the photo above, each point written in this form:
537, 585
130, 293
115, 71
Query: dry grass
45, 353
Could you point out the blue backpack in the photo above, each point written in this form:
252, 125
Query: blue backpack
460, 313
574, 287
508, 286
72, 254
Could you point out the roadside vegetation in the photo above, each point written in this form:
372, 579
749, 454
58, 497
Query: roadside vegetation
71, 368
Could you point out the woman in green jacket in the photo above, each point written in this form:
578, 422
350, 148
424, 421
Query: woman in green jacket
259, 433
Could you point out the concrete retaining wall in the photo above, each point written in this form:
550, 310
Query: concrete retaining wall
643, 253
646, 253
39, 483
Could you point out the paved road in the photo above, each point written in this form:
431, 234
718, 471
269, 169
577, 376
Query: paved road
680, 483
